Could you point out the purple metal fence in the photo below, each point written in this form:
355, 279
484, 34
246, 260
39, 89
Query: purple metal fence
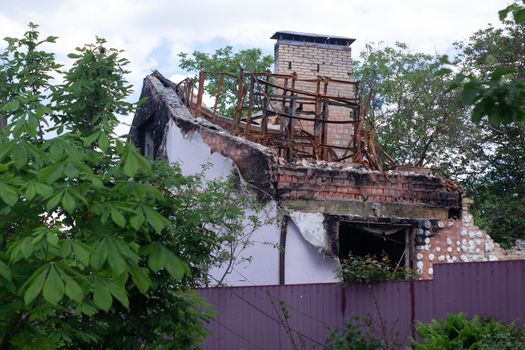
253, 318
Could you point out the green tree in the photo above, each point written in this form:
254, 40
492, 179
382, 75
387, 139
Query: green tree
422, 120
497, 91
224, 60
418, 121
497, 182
99, 247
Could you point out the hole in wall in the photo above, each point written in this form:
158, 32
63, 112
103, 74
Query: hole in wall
361, 239
454, 213
149, 144
146, 139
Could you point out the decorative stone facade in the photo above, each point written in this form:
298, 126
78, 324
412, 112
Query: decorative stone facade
455, 241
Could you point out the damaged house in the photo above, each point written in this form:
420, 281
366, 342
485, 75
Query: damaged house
297, 139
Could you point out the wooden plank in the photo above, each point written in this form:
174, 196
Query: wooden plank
250, 107
317, 123
200, 93
324, 126
240, 101
264, 121
217, 96
291, 121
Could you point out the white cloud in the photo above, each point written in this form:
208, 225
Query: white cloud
10, 27
139, 26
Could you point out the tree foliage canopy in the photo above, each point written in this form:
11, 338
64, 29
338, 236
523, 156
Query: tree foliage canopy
224, 60
496, 89
429, 116
98, 246
498, 185
417, 118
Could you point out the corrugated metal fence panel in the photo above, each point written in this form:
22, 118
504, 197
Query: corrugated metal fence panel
254, 317
386, 304
489, 288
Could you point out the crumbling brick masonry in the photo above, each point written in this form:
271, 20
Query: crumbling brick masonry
425, 213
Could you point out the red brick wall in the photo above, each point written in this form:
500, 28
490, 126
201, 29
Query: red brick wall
325, 183
334, 62
297, 182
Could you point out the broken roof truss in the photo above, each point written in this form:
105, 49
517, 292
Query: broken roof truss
290, 114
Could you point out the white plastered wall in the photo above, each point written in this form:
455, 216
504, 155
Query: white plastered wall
258, 263
304, 263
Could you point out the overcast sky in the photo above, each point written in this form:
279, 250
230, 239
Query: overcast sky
153, 32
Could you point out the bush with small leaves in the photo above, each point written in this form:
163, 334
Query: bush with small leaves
352, 337
370, 269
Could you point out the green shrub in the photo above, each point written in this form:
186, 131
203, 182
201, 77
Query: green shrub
352, 337
458, 332
370, 269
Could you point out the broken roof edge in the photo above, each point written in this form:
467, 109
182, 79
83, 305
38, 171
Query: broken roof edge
312, 37
165, 93
171, 99
357, 167
163, 105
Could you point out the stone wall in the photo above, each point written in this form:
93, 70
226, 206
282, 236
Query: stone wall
455, 241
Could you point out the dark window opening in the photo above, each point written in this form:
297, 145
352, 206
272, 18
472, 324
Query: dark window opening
149, 144
375, 240
454, 213
145, 141
318, 68
289, 65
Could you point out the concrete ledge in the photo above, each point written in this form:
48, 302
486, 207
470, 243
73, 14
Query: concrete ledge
367, 209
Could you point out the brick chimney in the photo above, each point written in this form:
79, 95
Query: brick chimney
313, 55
